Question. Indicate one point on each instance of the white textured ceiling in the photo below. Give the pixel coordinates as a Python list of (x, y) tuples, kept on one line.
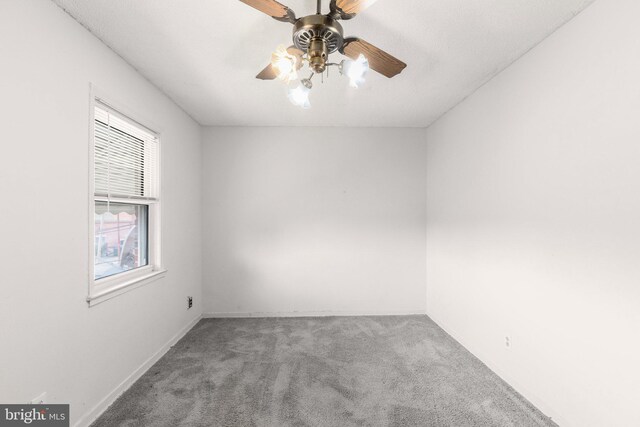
[(205, 54)]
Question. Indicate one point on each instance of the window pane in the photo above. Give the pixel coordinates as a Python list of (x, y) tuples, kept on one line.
[(120, 238)]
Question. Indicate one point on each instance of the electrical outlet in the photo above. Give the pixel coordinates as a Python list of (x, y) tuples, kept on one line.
[(507, 341), (42, 399), (189, 302)]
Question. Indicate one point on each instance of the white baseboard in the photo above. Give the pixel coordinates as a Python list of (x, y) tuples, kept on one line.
[(349, 313), (536, 400), (97, 410)]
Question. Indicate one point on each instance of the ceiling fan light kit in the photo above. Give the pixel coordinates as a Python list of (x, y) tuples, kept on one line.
[(315, 37)]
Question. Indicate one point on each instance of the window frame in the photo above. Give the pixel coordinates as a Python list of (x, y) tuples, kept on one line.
[(109, 287)]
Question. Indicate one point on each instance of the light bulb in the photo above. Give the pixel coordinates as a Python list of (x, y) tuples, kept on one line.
[(355, 70), (284, 64), (299, 96)]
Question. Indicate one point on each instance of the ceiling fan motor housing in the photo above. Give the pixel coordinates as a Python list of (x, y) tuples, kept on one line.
[(318, 55), (319, 36)]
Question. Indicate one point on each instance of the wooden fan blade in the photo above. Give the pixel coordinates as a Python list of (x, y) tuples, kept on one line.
[(273, 9), (379, 60), (268, 73), (351, 7)]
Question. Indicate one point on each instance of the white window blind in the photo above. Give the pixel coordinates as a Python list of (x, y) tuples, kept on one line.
[(126, 158)]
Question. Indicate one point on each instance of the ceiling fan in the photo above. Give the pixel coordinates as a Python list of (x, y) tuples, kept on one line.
[(317, 36)]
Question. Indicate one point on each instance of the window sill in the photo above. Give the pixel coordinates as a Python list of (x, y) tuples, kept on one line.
[(125, 287)]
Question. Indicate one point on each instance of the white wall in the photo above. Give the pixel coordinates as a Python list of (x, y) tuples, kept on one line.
[(51, 341), (314, 221), (533, 220)]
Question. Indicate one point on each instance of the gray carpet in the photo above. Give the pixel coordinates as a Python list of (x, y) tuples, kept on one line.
[(335, 371)]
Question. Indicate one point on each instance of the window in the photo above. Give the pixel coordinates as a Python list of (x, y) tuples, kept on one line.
[(125, 207)]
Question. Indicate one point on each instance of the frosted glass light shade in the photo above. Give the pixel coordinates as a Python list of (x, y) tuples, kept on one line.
[(356, 70), (284, 64), (299, 96)]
